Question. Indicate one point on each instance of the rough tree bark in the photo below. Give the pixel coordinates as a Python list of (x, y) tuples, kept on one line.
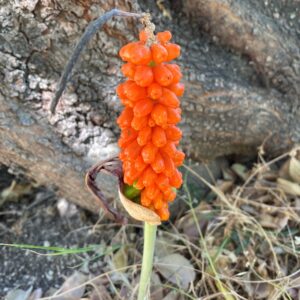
[(241, 64)]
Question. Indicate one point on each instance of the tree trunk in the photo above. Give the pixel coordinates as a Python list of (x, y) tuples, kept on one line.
[(241, 66)]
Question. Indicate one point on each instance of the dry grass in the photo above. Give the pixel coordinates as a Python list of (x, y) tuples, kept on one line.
[(247, 240), (243, 244)]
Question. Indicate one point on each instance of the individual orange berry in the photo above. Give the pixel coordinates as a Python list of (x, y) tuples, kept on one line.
[(127, 164), (158, 201), (173, 133), (125, 118), (162, 75), (152, 191), (120, 91), (154, 90), (173, 51), (143, 36), (159, 138), (169, 149), (138, 123), (132, 150), (127, 102), (133, 92), (167, 191), (149, 177), (140, 54), (149, 152), (127, 136), (175, 70), (178, 158), (159, 53), (145, 201), (138, 184), (131, 175), (162, 182), (169, 165), (164, 36), (169, 99), (127, 179), (122, 156), (139, 164), (173, 115), (170, 195), (143, 108), (159, 114), (158, 165), (128, 70), (177, 88), (144, 136), (163, 213), (176, 179), (143, 76), (125, 51)]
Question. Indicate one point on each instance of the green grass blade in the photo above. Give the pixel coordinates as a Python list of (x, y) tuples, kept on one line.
[(55, 250)]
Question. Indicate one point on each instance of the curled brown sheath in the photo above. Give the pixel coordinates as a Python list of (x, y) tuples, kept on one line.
[(111, 166)]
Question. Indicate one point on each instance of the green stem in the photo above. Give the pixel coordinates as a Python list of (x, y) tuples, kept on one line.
[(148, 253)]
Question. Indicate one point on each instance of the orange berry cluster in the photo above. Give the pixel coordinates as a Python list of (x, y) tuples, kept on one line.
[(148, 122)]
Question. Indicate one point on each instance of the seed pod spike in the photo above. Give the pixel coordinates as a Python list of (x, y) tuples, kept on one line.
[(152, 117)]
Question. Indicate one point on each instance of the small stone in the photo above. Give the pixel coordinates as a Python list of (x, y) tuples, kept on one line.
[(46, 244), (66, 209), (269, 59), (49, 275)]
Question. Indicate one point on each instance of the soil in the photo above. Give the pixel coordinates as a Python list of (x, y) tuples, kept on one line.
[(37, 216), (35, 219)]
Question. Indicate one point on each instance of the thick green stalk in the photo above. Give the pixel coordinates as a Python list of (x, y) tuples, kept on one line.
[(147, 263)]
